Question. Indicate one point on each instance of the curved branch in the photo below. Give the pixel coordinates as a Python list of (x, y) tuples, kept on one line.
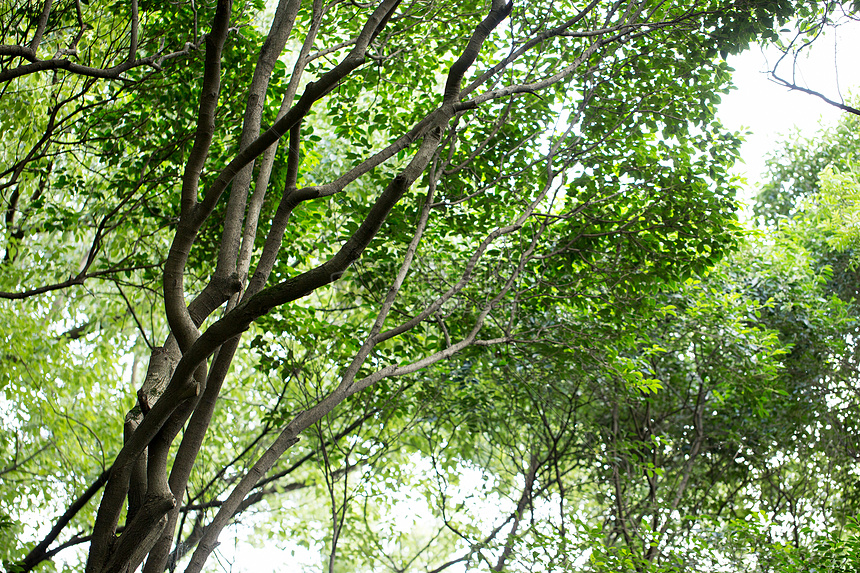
[(113, 73), (794, 87)]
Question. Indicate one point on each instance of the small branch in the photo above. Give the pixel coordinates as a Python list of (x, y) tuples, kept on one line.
[(17, 464), (794, 87), (40, 28), (135, 26), (72, 281), (57, 63), (134, 316), (455, 75)]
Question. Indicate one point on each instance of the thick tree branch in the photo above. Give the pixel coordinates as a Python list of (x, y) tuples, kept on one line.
[(181, 324), (351, 251)]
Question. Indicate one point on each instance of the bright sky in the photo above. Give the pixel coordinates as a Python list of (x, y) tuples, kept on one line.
[(770, 111)]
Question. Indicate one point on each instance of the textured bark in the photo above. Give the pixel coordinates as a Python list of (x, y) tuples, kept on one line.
[(104, 544)]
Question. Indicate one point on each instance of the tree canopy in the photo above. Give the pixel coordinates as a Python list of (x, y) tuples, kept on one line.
[(413, 285)]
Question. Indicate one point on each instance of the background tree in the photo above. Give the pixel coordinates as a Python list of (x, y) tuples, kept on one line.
[(793, 172)]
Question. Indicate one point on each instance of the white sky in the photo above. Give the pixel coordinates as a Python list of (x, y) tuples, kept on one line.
[(770, 111)]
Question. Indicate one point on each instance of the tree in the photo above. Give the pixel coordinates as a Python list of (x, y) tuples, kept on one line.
[(793, 172), (453, 171), (813, 183)]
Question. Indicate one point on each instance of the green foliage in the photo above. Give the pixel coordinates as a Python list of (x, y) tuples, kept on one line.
[(828, 552), (589, 364), (835, 207), (723, 355), (794, 170), (61, 400)]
